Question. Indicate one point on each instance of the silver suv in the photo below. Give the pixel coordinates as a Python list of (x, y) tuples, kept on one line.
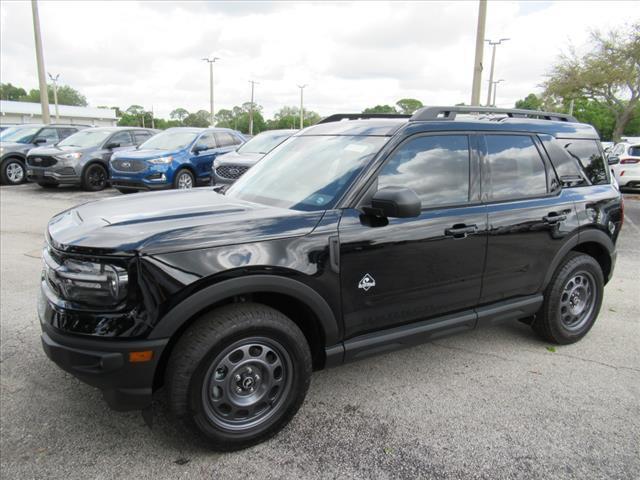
[(16, 141)]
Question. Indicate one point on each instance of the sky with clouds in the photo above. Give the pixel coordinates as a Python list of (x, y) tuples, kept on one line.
[(352, 55)]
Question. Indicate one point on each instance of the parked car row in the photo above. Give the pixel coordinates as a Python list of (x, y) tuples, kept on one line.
[(624, 159)]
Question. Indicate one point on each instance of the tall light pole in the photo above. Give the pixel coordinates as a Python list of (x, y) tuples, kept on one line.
[(495, 87), (55, 93), (493, 63), (477, 66), (253, 83), (211, 61), (302, 87), (44, 92)]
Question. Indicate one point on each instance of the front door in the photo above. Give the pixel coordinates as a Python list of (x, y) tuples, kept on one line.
[(399, 271)]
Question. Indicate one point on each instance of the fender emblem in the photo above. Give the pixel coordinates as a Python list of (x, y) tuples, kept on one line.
[(367, 282)]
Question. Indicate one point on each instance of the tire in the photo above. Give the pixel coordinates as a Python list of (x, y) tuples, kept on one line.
[(572, 300), (13, 172), (126, 191), (225, 354), (94, 178), (184, 180), (48, 185)]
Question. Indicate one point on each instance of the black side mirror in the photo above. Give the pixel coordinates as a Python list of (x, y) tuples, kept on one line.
[(613, 159), (395, 202), (111, 145), (39, 140), (200, 147)]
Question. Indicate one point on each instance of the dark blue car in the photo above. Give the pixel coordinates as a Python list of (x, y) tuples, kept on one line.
[(176, 158)]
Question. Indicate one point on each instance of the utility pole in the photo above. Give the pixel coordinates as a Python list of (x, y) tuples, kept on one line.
[(55, 93), (571, 104), (253, 83), (495, 85), (493, 63), (44, 92), (211, 61), (153, 122), (302, 87), (477, 67)]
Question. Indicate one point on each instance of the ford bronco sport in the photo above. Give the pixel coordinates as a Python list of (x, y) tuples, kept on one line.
[(355, 236)]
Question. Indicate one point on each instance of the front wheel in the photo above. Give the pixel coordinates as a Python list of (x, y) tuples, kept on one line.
[(13, 172), (94, 178), (238, 375), (572, 300), (184, 180)]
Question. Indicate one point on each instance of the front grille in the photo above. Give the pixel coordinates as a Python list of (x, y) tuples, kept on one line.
[(232, 172), (123, 165), (41, 161)]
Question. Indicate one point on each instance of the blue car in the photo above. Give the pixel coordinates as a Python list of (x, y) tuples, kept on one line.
[(176, 158)]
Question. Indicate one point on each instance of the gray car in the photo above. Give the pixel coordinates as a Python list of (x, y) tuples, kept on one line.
[(16, 141), (83, 158), (229, 167)]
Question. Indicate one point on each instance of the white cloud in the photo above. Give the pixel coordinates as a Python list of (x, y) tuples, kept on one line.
[(352, 55)]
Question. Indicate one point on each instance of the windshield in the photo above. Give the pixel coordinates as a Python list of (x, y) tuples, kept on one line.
[(174, 140), (308, 172), (264, 142), (85, 138), (18, 134)]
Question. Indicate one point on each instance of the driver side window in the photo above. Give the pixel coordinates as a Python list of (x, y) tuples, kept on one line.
[(208, 140), (435, 167), (50, 134)]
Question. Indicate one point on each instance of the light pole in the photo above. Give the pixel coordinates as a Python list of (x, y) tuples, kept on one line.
[(44, 92), (211, 61), (493, 62), (477, 66), (302, 87), (253, 83), (495, 86), (55, 92)]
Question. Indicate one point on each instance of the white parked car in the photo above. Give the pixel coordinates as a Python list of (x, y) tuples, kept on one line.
[(624, 160)]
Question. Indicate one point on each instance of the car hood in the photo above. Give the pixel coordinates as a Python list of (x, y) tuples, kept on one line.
[(235, 158), (145, 154), (161, 222), (15, 147), (58, 150)]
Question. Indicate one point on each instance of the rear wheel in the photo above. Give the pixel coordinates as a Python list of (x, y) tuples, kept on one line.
[(572, 300), (94, 178), (184, 180), (238, 375), (13, 172)]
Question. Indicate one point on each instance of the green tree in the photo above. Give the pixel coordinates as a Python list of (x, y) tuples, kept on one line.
[(198, 119), (609, 74), (408, 106), (179, 114), (11, 92), (530, 102), (289, 117), (380, 109), (66, 96)]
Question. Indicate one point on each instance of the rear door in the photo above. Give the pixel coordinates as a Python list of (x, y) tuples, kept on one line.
[(402, 270), (529, 215)]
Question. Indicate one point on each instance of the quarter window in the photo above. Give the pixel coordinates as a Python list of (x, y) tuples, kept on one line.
[(590, 158), (514, 168), (435, 167)]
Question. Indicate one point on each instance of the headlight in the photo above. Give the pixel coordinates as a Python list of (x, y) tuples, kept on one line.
[(88, 283), (161, 160), (69, 156), (1, 150)]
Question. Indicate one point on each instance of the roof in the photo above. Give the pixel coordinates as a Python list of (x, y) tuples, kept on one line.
[(375, 127), (29, 108)]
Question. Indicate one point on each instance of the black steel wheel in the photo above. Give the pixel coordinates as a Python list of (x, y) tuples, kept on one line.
[(572, 300), (238, 375), (95, 178)]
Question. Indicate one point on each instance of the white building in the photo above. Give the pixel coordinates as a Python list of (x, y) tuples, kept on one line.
[(25, 112)]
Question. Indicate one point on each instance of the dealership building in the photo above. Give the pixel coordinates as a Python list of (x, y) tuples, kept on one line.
[(25, 112)]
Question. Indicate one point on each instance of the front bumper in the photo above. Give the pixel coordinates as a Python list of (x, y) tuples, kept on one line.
[(104, 363), (64, 175), (138, 185)]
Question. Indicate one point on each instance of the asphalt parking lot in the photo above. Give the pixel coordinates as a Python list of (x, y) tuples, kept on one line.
[(494, 403)]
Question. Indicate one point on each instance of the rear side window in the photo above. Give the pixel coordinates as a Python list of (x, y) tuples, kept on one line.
[(49, 134), (208, 140), (514, 168), (435, 167), (123, 139), (224, 139), (587, 153)]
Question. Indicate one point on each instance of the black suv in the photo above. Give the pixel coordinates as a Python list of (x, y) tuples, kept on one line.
[(356, 236)]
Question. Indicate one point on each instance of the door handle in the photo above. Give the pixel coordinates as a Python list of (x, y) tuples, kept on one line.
[(460, 230), (554, 217)]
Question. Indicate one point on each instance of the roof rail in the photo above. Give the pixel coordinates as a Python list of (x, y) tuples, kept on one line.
[(360, 116), (449, 113)]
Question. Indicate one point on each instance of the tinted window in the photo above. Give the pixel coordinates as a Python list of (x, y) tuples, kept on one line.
[(225, 139), (141, 136), (49, 133), (122, 138), (435, 167), (634, 151), (514, 168), (590, 158), (208, 140)]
